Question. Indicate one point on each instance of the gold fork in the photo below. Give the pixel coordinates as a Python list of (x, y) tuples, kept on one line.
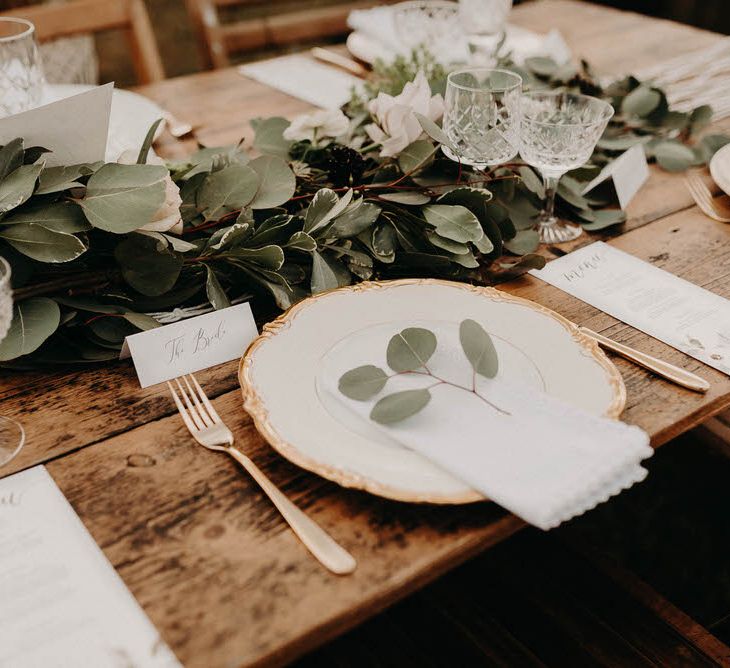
[(207, 428), (716, 208)]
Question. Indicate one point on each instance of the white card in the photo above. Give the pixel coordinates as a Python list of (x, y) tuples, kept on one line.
[(675, 311), (627, 174), (75, 129), (299, 76), (190, 345), (62, 603)]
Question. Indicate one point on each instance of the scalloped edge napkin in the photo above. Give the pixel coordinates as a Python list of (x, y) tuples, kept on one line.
[(546, 463)]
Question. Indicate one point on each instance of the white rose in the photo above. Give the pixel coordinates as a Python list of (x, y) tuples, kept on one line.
[(318, 124), (167, 218), (396, 124)]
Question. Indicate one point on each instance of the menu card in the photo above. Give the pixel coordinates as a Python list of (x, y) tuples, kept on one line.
[(61, 601), (675, 311)]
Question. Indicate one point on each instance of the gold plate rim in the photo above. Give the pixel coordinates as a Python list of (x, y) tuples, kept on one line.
[(253, 404)]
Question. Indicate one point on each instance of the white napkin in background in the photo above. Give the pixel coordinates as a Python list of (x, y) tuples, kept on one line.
[(377, 25), (300, 76), (547, 462)]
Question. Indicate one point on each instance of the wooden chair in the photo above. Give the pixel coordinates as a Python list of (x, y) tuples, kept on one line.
[(219, 40), (91, 16)]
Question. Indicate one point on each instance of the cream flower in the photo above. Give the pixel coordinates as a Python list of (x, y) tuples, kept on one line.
[(167, 218), (396, 124), (318, 124)]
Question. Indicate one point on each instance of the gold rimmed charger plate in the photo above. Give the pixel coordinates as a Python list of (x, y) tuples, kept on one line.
[(278, 376)]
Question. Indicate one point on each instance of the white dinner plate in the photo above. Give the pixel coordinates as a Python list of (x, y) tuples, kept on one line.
[(720, 168), (280, 370), (131, 116)]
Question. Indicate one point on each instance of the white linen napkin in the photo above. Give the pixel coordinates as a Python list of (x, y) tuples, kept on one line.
[(546, 462), (299, 76), (378, 26)]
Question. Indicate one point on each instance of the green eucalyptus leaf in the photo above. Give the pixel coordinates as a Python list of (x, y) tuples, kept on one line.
[(526, 263), (34, 320), (453, 222), (18, 186), (674, 156), (434, 131), (216, 295), (621, 143), (65, 217), (43, 244), (709, 145), (141, 321), (411, 349), (269, 137), (542, 66), (416, 155), (525, 241), (147, 143), (227, 190), (57, 179), (148, 265), (277, 182), (123, 198), (11, 157), (363, 382), (479, 348), (641, 101), (604, 218), (399, 406), (410, 198), (700, 117), (532, 181)]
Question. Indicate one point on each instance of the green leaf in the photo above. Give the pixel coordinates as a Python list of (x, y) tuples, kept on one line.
[(18, 186), (453, 222), (147, 143), (42, 244), (269, 138), (709, 145), (327, 273), (541, 66), (362, 383), (148, 265), (122, 198), (277, 182), (532, 181), (604, 218), (525, 241), (354, 220), (267, 257), (447, 244), (641, 101), (406, 197), (11, 157), (479, 348), (621, 143), (674, 156), (522, 266), (34, 320), (57, 179), (141, 320), (302, 241), (411, 349), (399, 406), (416, 155), (325, 206), (700, 117), (227, 190), (434, 131), (223, 239), (216, 295), (65, 217)]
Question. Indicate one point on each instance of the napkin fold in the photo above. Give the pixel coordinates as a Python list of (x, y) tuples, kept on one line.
[(546, 461)]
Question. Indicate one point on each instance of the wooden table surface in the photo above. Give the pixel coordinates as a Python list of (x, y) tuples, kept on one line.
[(211, 562)]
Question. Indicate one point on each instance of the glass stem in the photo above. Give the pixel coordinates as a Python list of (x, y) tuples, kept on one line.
[(551, 187)]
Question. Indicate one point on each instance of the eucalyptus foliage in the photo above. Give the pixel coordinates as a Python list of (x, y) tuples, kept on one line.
[(280, 220)]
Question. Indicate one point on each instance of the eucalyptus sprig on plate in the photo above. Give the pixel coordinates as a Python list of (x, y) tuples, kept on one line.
[(409, 352)]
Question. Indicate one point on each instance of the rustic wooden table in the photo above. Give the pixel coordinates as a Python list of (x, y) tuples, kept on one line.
[(211, 562)]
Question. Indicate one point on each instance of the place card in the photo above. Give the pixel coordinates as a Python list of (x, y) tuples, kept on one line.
[(74, 129), (623, 176), (62, 602), (190, 345), (675, 311), (301, 77)]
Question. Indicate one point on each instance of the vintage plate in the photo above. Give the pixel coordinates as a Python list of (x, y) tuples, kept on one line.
[(131, 116), (720, 168), (279, 372)]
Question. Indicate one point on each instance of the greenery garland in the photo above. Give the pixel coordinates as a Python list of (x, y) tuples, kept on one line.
[(304, 216)]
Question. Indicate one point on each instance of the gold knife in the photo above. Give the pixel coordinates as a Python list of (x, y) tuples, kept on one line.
[(660, 367)]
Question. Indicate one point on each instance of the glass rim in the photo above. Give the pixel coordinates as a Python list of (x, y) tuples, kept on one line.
[(604, 118), (5, 271), (496, 89), (412, 4), (29, 28)]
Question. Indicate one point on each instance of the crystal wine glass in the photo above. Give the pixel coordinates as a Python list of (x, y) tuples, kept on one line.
[(558, 133), (12, 435), (482, 116), (21, 73), (431, 23), (483, 22)]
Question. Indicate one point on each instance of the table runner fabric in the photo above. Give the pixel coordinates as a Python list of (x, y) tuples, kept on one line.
[(546, 462)]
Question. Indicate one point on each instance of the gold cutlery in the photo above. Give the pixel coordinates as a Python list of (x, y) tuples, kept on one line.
[(344, 63), (716, 208), (207, 428), (660, 367), (176, 127)]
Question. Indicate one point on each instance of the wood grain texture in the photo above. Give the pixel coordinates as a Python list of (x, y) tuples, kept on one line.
[(200, 547)]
